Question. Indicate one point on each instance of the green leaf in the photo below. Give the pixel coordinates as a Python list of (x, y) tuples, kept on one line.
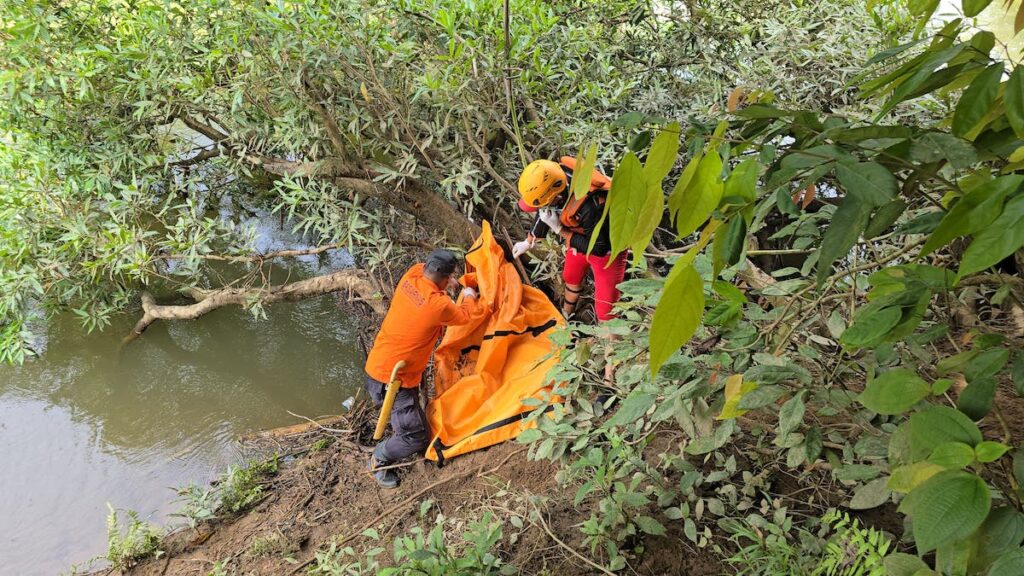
[(584, 173), (1013, 99), (977, 100), (675, 199), (869, 329), (650, 525), (848, 222), (625, 202), (760, 397), (900, 564), (729, 243), (956, 363), (906, 478), (663, 154), (648, 220), (1001, 239), (952, 455), (974, 212), (771, 374), (937, 425), (974, 7), (989, 451), (1001, 533), (924, 70), (678, 314), (701, 196), (633, 408), (934, 146), (976, 399), (1017, 373), (894, 392), (884, 218), (1012, 564), (716, 440), (871, 182), (856, 472), (791, 415), (529, 435), (986, 363), (949, 506), (871, 495)]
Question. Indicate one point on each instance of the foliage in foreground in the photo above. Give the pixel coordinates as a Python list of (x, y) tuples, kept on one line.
[(422, 552), (858, 350)]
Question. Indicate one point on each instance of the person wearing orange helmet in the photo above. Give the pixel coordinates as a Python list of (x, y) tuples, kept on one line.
[(543, 189)]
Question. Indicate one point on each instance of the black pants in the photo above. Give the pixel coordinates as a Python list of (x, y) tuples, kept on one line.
[(408, 422)]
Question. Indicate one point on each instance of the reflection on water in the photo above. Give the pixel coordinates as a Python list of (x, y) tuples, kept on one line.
[(83, 425)]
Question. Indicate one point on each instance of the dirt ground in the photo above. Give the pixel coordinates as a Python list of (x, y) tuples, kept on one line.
[(328, 496)]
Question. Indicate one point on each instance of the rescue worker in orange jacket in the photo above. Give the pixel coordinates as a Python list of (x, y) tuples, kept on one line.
[(543, 188), (412, 327)]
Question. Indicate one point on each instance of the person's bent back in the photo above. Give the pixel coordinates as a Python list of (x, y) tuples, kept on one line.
[(419, 310)]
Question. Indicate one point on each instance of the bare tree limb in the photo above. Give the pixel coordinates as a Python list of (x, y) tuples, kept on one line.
[(210, 300)]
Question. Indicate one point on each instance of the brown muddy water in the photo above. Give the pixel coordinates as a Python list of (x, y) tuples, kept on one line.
[(83, 425)]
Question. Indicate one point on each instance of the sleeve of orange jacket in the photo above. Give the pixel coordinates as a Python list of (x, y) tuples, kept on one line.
[(456, 314)]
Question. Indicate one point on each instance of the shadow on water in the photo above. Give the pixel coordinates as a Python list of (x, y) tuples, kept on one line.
[(83, 425)]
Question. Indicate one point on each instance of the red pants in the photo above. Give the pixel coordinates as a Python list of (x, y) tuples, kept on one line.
[(606, 280)]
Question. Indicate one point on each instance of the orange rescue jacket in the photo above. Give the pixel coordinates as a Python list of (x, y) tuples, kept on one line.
[(413, 326)]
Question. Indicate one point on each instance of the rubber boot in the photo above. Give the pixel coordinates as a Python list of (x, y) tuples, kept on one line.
[(385, 478)]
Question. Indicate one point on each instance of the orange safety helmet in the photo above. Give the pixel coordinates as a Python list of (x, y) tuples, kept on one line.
[(540, 183)]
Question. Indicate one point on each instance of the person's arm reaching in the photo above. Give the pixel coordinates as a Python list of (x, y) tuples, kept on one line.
[(457, 314)]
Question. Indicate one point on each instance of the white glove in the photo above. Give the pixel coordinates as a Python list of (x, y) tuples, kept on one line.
[(522, 247), (469, 293), (550, 217)]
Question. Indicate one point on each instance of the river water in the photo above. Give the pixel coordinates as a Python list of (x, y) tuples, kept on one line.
[(84, 425)]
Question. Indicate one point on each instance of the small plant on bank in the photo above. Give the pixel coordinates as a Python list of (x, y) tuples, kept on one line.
[(200, 505), (140, 540), (852, 550), (240, 488)]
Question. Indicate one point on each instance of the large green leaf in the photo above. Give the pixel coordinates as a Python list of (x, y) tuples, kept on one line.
[(900, 564), (974, 7), (870, 327), (975, 211), (894, 392), (584, 173), (976, 399), (632, 409), (977, 100), (871, 182), (952, 455), (791, 415), (701, 196), (663, 154), (949, 506), (1013, 99), (848, 222), (648, 220), (884, 218), (1010, 564), (986, 363), (1001, 239), (675, 199), (678, 314), (933, 146), (937, 425), (626, 202)]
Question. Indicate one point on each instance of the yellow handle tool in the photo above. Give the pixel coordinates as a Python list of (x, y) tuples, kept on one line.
[(389, 400)]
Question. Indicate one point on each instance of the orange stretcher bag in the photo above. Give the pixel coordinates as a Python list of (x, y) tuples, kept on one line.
[(484, 370)]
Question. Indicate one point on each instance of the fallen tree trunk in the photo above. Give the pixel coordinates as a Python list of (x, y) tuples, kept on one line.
[(353, 281)]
